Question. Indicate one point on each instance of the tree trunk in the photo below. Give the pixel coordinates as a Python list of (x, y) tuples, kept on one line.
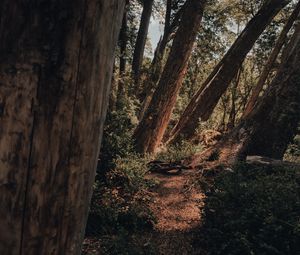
[(55, 71), (273, 123), (150, 131), (205, 100), (233, 110), (156, 64), (141, 41), (123, 40), (271, 60)]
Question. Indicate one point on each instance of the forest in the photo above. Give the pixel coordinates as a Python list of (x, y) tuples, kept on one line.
[(149, 127)]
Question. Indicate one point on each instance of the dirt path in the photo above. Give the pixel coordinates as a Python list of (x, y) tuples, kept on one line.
[(176, 202), (177, 206)]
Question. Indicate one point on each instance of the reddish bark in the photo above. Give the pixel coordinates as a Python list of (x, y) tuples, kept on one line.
[(205, 100), (151, 129), (273, 123)]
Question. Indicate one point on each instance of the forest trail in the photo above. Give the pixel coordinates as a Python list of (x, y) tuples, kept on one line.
[(176, 204)]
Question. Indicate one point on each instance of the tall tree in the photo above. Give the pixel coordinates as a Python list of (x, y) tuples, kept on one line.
[(151, 129), (141, 40), (273, 122), (206, 98), (271, 60), (123, 40), (156, 64), (55, 71)]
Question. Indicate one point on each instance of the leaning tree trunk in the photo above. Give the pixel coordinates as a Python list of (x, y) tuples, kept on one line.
[(205, 100), (273, 122), (141, 40), (55, 71), (151, 129), (271, 60)]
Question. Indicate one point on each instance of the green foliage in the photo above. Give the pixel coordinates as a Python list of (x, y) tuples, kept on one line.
[(254, 210), (178, 152), (119, 207), (117, 137), (124, 244), (120, 200), (293, 151)]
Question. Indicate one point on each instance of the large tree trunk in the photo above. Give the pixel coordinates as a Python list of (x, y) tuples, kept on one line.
[(156, 64), (141, 40), (55, 71), (271, 60), (205, 100), (151, 129), (272, 124)]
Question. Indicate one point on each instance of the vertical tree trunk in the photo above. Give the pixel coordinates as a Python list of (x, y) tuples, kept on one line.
[(141, 40), (205, 100), (233, 110), (150, 131), (123, 40), (55, 71), (271, 60)]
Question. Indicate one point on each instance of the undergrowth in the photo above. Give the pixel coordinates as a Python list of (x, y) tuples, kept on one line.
[(119, 208), (293, 152), (253, 210), (178, 152)]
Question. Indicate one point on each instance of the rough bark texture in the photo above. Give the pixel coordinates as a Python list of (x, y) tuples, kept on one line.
[(205, 100), (273, 123), (150, 131), (141, 40), (271, 60), (156, 67), (55, 71)]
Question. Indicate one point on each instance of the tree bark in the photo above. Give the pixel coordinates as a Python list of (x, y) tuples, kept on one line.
[(205, 100), (150, 131), (55, 71), (233, 110), (271, 60), (139, 48), (273, 123), (123, 40), (156, 64)]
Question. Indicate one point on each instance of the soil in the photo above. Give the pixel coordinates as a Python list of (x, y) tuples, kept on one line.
[(177, 203)]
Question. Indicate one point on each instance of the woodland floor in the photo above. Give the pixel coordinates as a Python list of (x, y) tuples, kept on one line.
[(177, 203)]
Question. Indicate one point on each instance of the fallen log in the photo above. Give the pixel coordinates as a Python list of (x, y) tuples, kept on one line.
[(168, 168)]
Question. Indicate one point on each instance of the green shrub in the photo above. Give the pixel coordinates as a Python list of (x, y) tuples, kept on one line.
[(293, 151), (119, 207), (254, 210), (178, 152), (121, 200), (117, 136)]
